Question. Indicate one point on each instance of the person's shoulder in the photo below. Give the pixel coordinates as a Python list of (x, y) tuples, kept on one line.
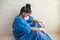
[(17, 17)]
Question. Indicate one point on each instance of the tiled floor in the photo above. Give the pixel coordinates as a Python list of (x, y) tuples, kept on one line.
[(9, 37)]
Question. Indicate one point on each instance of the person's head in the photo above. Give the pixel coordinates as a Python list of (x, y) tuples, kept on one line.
[(25, 10)]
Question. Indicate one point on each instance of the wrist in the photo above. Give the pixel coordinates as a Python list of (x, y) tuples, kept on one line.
[(41, 29)]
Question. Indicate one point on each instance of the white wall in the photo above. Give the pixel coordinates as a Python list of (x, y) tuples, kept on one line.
[(45, 10)]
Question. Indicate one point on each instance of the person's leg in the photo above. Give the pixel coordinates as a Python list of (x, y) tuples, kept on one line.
[(39, 35), (42, 36)]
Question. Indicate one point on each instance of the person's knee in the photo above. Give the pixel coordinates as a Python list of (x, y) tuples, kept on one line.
[(38, 32)]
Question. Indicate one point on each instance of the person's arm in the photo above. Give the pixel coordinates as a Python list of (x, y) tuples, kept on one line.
[(35, 20), (36, 29), (42, 24)]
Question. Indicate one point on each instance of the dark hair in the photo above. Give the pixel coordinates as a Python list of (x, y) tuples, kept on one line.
[(26, 9)]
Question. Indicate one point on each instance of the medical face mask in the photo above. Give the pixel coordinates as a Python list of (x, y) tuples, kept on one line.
[(26, 18)]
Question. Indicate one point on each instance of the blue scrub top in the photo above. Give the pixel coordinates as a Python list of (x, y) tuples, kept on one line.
[(20, 28)]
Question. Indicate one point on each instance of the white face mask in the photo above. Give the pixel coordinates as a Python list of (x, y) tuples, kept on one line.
[(26, 18)]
